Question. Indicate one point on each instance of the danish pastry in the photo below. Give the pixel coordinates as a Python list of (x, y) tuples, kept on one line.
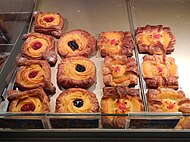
[(115, 43), (75, 72), (76, 43), (33, 74), (34, 100), (77, 100), (160, 71), (120, 70), (39, 46), (155, 39), (119, 100), (49, 23)]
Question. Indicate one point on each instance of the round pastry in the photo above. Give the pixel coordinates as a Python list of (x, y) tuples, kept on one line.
[(49, 23), (39, 46), (155, 39), (34, 100), (75, 72), (76, 43), (33, 74), (77, 100)]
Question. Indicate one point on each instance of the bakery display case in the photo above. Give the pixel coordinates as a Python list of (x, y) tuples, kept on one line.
[(131, 76)]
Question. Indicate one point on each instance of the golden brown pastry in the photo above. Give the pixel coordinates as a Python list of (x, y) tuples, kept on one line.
[(34, 100), (49, 23), (119, 100), (120, 71), (76, 43), (39, 46), (116, 43), (75, 72), (155, 39), (77, 100), (160, 71), (33, 74)]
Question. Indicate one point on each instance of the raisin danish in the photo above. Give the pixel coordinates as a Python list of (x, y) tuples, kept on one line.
[(76, 43), (49, 23), (155, 39)]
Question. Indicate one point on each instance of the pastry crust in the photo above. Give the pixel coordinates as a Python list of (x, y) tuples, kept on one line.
[(77, 100), (120, 71), (116, 43), (119, 100), (76, 72), (33, 74), (159, 71), (76, 43), (39, 46), (49, 23), (34, 100), (155, 39)]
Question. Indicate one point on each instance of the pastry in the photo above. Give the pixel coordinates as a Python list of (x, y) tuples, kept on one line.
[(159, 71), (39, 46), (77, 100), (115, 43), (120, 70), (75, 72), (33, 74), (49, 23), (76, 43), (155, 39), (34, 100), (119, 100)]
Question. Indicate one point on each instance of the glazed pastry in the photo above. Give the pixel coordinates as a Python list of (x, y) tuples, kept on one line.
[(155, 39), (119, 100), (34, 100), (75, 72), (49, 23), (39, 46), (120, 70), (77, 100), (33, 74), (76, 43), (160, 71), (116, 43)]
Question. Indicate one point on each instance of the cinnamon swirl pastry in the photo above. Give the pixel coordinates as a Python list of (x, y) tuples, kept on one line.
[(160, 71), (39, 46), (76, 43), (75, 72), (33, 74), (155, 39), (49, 23), (115, 43), (120, 71), (77, 100), (119, 100)]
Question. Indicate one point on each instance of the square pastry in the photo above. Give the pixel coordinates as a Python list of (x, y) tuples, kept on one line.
[(116, 43), (34, 100), (120, 71), (119, 100), (32, 74), (155, 39), (159, 71)]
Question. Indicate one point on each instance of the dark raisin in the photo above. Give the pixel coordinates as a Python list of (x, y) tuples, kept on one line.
[(78, 103), (80, 68), (73, 45), (28, 107)]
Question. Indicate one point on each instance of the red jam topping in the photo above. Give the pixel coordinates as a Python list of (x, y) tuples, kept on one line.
[(33, 74), (170, 106), (117, 69), (37, 45), (113, 42), (159, 69), (156, 36), (48, 19), (122, 106), (28, 107)]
